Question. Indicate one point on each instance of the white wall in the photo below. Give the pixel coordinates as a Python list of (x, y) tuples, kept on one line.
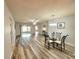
[(8, 43), (69, 28), (17, 29)]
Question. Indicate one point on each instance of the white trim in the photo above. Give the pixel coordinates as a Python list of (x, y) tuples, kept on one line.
[(11, 55), (72, 45)]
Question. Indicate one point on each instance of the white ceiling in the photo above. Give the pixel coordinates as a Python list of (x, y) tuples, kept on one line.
[(24, 10)]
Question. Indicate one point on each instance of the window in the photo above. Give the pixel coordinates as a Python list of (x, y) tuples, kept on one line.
[(25, 31), (25, 28)]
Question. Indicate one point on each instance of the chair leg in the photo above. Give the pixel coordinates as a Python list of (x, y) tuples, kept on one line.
[(53, 45), (45, 42), (61, 48), (48, 45), (64, 46), (56, 44)]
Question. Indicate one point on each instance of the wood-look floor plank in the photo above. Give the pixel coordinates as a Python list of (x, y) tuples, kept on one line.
[(34, 49)]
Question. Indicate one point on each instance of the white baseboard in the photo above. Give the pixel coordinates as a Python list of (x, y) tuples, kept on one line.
[(70, 48), (69, 44)]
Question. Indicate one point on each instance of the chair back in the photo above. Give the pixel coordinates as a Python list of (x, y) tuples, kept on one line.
[(63, 39), (58, 35), (53, 35), (46, 35)]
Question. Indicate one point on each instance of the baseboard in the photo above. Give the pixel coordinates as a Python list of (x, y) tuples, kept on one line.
[(70, 45), (70, 48), (11, 55)]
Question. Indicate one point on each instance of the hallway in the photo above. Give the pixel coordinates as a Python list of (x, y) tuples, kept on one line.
[(35, 21), (34, 48)]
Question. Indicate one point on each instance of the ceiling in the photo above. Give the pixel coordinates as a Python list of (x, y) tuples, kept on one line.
[(25, 10)]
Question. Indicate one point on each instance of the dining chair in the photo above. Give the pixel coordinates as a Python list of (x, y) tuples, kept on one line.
[(61, 43), (50, 41), (46, 36)]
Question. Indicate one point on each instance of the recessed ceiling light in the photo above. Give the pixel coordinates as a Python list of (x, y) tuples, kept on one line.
[(34, 23), (37, 21), (32, 20)]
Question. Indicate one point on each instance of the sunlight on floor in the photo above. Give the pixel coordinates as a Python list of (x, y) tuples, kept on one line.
[(26, 34)]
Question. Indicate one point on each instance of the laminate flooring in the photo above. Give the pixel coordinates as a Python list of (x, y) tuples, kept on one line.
[(34, 48)]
